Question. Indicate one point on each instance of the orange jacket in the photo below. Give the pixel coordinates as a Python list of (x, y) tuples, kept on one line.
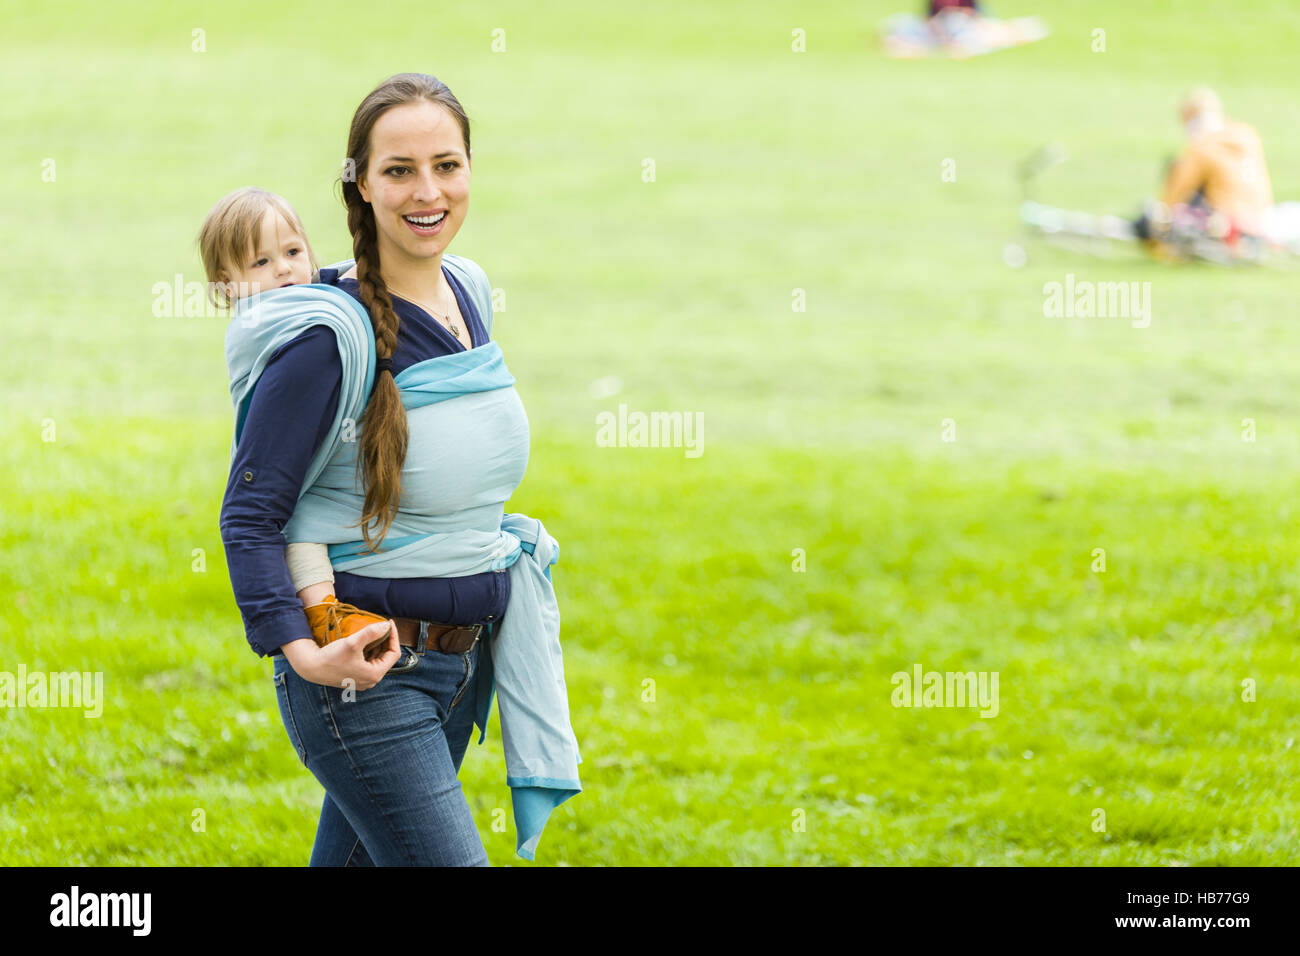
[(1227, 165)]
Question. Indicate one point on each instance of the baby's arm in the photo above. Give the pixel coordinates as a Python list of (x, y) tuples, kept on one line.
[(313, 579), (311, 571)]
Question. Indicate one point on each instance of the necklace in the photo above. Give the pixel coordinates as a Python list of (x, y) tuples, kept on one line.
[(446, 319)]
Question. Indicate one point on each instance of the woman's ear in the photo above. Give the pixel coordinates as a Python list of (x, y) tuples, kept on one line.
[(361, 188)]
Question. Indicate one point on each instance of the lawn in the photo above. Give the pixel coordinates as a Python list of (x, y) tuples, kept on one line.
[(905, 461)]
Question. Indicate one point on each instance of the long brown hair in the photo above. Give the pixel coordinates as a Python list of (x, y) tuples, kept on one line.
[(383, 424)]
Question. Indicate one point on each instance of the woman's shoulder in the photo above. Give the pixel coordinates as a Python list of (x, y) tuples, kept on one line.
[(315, 347), (468, 270), (332, 274), (465, 269)]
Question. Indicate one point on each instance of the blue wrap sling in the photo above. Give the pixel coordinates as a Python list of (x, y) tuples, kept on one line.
[(467, 452)]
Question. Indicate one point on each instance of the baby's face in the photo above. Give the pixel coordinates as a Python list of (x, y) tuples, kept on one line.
[(279, 258)]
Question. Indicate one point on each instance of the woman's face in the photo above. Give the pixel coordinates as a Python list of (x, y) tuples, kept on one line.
[(418, 172)]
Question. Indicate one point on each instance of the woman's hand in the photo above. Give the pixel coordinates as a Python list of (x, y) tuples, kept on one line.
[(345, 658)]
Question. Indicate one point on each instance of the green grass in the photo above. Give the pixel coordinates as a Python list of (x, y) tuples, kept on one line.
[(775, 171)]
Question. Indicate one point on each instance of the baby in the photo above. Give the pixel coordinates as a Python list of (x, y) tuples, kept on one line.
[(251, 241)]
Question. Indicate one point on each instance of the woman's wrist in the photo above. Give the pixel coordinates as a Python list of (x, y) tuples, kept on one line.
[(298, 652), (343, 663)]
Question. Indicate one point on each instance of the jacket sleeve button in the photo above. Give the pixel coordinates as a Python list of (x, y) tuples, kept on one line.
[(248, 476)]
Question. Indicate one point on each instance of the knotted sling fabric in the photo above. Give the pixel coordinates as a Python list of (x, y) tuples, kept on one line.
[(467, 452)]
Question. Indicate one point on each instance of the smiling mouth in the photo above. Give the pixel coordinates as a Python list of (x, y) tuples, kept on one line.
[(427, 225)]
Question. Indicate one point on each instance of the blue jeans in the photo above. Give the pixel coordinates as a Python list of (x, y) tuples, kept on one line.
[(388, 761)]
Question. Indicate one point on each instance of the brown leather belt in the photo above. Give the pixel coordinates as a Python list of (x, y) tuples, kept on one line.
[(447, 638)]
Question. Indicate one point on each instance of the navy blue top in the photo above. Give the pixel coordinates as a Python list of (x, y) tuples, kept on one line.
[(290, 414)]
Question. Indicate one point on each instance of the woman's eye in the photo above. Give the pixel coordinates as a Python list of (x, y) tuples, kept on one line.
[(392, 170), (452, 163)]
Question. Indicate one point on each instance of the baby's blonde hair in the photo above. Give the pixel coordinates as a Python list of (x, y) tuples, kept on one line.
[(231, 230)]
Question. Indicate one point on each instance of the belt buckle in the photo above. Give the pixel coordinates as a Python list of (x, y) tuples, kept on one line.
[(460, 640)]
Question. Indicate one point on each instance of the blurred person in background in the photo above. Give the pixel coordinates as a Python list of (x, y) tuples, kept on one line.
[(1216, 202), (956, 28), (1218, 184), (936, 6)]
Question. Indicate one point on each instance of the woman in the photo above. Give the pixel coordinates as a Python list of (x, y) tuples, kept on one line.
[(386, 737)]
